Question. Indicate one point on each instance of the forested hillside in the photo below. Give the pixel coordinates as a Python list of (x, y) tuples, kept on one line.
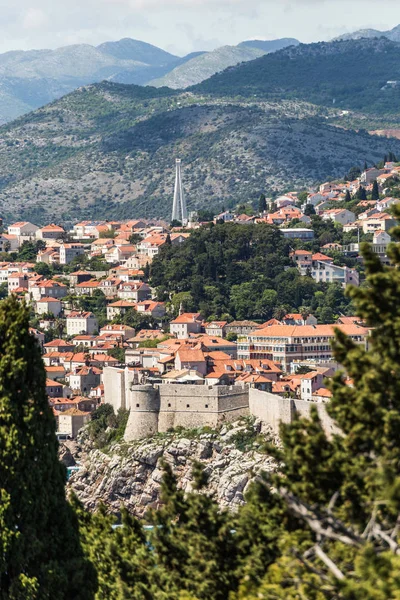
[(243, 272), (109, 150), (351, 74)]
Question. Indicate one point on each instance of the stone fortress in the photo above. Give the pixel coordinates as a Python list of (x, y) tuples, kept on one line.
[(157, 408)]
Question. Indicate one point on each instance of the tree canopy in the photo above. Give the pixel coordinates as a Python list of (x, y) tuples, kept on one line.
[(243, 271), (40, 550)]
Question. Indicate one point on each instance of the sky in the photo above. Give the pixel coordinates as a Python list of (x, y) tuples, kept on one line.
[(183, 26)]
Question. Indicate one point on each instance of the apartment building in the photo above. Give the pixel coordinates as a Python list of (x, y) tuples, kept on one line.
[(50, 232), (23, 230), (186, 324), (322, 269), (284, 344), (81, 322), (70, 251)]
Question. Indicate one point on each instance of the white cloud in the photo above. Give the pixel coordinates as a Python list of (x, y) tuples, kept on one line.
[(34, 18)]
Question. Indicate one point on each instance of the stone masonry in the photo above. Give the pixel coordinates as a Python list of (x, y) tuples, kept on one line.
[(159, 408)]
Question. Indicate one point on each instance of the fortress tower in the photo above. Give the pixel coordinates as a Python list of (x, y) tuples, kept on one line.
[(144, 405), (179, 210)]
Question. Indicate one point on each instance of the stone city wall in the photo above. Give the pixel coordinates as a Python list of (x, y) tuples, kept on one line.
[(197, 406), (273, 410), (159, 408), (156, 409)]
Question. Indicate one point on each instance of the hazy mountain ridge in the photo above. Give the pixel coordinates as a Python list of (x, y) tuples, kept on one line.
[(204, 66), (270, 45), (30, 79), (108, 150), (391, 34)]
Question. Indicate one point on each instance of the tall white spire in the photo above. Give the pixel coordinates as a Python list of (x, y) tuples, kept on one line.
[(179, 210)]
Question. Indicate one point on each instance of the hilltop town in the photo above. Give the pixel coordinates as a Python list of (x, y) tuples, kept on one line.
[(106, 325)]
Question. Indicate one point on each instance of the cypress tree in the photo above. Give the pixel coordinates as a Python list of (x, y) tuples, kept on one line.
[(361, 193), (262, 203), (347, 196), (40, 552), (375, 191)]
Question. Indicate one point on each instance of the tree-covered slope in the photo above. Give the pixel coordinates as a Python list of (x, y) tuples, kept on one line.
[(231, 271), (109, 150), (349, 74)]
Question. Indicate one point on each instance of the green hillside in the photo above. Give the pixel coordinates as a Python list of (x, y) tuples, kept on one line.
[(349, 74), (108, 150)]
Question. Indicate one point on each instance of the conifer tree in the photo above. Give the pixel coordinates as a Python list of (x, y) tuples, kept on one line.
[(344, 490), (123, 558), (40, 552), (347, 196), (262, 204), (375, 191), (193, 543), (361, 193)]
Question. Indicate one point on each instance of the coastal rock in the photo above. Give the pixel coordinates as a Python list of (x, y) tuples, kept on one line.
[(131, 474), (65, 456)]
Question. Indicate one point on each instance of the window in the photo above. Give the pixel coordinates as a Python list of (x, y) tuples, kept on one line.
[(169, 405), (206, 405), (187, 405), (137, 405)]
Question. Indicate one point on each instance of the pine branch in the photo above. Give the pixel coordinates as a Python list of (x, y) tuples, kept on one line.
[(325, 526), (334, 569)]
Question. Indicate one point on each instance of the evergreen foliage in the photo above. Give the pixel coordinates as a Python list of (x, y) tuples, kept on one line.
[(40, 552), (375, 191), (361, 193), (262, 204), (344, 489), (241, 271)]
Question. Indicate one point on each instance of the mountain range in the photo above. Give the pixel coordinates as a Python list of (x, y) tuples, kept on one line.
[(352, 74), (206, 64), (287, 119), (30, 79)]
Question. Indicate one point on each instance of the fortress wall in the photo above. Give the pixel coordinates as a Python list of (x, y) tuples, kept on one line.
[(303, 409), (194, 406), (273, 410), (187, 406), (114, 387), (157, 409)]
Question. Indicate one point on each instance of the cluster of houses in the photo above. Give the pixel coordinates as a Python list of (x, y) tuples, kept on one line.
[(291, 357), (266, 357)]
